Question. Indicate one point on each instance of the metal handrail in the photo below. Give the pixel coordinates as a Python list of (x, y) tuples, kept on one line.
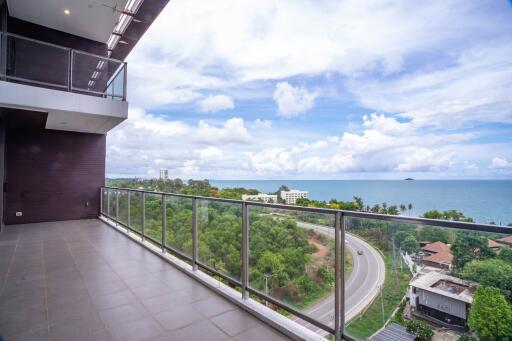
[(339, 228), (69, 87), (355, 214)]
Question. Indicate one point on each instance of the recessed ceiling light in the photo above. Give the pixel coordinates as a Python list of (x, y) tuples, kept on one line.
[(67, 11)]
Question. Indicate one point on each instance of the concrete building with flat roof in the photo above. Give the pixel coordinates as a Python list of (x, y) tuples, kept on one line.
[(442, 299), (291, 196), (263, 197)]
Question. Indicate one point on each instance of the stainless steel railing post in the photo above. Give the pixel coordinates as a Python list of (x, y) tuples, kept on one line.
[(143, 217), (339, 276), (117, 206), (108, 203), (101, 200), (128, 218), (245, 251), (194, 233), (164, 221)]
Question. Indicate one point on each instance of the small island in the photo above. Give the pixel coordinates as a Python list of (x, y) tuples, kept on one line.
[(409, 179)]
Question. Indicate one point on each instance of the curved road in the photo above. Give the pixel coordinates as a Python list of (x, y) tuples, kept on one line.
[(361, 287)]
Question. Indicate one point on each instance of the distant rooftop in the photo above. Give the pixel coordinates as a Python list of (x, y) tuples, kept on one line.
[(436, 247), (393, 332), (445, 285)]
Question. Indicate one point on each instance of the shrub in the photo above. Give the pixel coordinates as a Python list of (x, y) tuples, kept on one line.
[(419, 328)]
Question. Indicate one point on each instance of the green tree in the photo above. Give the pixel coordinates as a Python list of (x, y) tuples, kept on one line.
[(465, 337), (506, 255), (447, 215), (490, 315), (410, 244), (490, 272), (403, 208), (359, 202), (468, 247), (409, 207), (272, 264), (421, 329)]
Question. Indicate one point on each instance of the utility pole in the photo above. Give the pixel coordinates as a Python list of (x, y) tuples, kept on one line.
[(266, 286), (382, 306)]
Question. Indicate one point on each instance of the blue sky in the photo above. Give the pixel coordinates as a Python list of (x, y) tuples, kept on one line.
[(320, 90)]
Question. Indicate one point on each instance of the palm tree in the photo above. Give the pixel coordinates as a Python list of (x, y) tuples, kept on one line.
[(384, 208), (410, 208), (359, 202), (403, 208)]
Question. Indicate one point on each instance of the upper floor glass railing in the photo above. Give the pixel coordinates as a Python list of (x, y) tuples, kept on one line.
[(37, 63), (341, 273)]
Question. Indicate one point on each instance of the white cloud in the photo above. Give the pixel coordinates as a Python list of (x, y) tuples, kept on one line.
[(262, 124), (385, 145), (210, 153), (499, 163), (470, 166), (292, 101), (146, 142), (214, 103)]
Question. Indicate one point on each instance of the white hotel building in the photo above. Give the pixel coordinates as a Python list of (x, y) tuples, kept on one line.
[(266, 198), (291, 196)]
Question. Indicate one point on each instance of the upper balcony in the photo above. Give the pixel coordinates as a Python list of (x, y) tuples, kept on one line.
[(80, 91)]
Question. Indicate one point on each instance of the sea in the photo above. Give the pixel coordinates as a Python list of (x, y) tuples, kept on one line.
[(483, 200)]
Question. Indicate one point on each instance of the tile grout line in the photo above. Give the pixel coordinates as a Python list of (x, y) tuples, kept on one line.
[(83, 279)]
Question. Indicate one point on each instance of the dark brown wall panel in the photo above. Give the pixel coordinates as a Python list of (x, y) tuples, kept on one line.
[(51, 175)]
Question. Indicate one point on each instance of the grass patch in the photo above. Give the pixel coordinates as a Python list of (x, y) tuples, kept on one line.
[(395, 285)]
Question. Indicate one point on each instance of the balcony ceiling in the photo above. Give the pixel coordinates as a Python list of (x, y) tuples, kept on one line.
[(92, 19)]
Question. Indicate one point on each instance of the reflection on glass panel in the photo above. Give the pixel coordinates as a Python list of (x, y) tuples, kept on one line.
[(35, 61), (292, 260), (178, 233), (112, 203), (220, 236), (123, 207), (93, 73), (428, 273), (136, 211), (153, 227), (104, 194)]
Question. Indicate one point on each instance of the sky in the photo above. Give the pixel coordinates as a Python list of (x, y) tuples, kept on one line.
[(320, 89)]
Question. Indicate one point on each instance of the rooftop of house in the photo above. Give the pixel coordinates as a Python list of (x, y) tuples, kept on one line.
[(446, 285), (507, 239), (436, 247), (493, 244), (440, 258)]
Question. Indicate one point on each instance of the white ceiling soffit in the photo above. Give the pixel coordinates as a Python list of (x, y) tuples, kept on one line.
[(92, 19)]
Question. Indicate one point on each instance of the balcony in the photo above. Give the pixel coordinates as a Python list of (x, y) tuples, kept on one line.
[(82, 280), (80, 91), (181, 267)]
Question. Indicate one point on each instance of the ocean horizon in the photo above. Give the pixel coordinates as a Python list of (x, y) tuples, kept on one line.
[(483, 200)]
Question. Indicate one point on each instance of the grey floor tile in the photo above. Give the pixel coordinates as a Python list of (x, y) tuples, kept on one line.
[(121, 315), (178, 317), (212, 306), (115, 299), (235, 322), (144, 329), (202, 330), (261, 333)]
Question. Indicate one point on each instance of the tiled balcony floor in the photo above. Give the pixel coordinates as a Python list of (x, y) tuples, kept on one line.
[(82, 280)]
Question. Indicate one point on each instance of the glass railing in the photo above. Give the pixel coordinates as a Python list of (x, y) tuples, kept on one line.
[(38, 63), (341, 273)]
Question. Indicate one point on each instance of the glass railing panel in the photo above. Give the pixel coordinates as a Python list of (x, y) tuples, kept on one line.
[(426, 273), (93, 74), (33, 62), (123, 207), (153, 225), (112, 193), (220, 236), (291, 259), (104, 200), (178, 233), (136, 211)]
